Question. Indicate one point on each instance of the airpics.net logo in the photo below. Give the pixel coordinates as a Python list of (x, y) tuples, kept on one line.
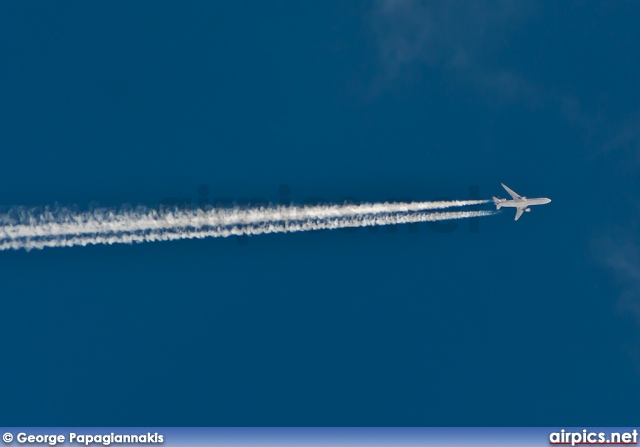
[(586, 437)]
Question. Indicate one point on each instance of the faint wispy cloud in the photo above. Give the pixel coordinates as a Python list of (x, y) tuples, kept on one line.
[(620, 253), (448, 25), (625, 140), (467, 41), (457, 36)]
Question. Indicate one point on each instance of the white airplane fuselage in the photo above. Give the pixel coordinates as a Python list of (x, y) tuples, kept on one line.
[(523, 203)]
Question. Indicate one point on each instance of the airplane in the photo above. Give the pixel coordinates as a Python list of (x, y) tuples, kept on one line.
[(520, 203)]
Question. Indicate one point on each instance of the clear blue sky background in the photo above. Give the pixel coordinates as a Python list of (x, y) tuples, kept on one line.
[(527, 323)]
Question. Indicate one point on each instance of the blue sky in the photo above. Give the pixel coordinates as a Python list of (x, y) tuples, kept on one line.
[(527, 323)]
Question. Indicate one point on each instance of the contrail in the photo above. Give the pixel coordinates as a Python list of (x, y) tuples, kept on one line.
[(25, 223), (238, 229)]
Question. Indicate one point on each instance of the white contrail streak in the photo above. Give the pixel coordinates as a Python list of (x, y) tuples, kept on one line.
[(254, 228), (24, 223)]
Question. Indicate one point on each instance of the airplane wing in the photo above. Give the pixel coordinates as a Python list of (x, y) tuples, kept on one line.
[(519, 212), (511, 192)]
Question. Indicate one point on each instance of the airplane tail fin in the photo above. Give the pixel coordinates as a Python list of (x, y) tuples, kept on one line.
[(498, 202)]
